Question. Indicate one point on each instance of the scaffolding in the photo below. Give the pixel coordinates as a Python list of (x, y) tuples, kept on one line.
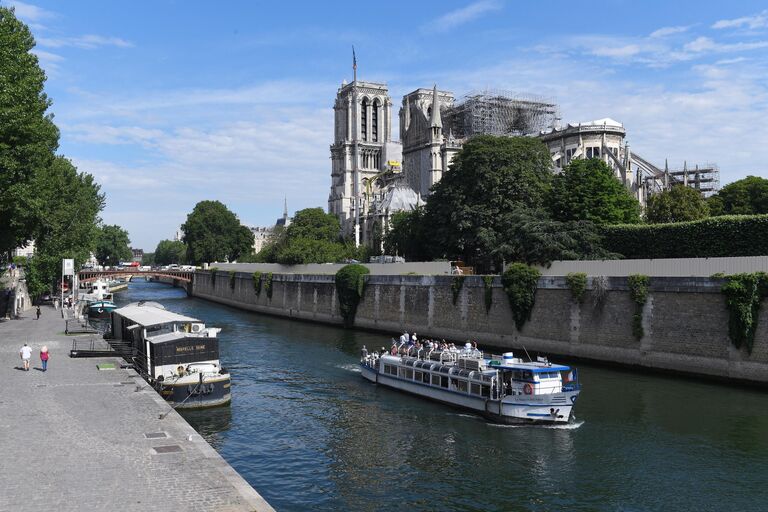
[(502, 113)]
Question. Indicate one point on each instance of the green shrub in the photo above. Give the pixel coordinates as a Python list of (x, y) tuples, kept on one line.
[(638, 291), (213, 271), (456, 286), (350, 286), (488, 285), (257, 283), (520, 282), (743, 294), (268, 285), (232, 280), (577, 283), (735, 235)]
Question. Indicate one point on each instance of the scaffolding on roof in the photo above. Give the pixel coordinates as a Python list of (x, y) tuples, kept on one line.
[(494, 112)]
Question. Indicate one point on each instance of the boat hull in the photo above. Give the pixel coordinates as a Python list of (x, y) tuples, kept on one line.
[(548, 409), (189, 393)]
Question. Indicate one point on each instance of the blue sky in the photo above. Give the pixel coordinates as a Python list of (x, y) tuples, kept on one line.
[(169, 102)]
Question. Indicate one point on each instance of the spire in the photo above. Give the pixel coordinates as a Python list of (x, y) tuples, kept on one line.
[(354, 65), (435, 121), (285, 207)]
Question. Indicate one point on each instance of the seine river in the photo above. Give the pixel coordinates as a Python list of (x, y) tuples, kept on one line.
[(309, 433)]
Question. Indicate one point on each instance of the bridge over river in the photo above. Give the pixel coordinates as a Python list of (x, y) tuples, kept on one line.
[(179, 278)]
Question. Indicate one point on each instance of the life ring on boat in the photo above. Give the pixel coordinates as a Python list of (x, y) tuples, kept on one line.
[(528, 389)]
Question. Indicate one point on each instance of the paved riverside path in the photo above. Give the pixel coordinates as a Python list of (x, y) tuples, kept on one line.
[(73, 438)]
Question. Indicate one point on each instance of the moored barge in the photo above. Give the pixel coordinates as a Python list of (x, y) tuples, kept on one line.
[(177, 354)]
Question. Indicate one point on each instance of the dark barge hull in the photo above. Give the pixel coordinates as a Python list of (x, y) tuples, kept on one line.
[(211, 393)]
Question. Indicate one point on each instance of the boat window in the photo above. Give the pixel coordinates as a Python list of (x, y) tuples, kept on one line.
[(410, 362), (527, 375), (408, 373), (462, 386), (486, 391), (435, 380), (445, 369), (417, 376), (425, 378), (475, 389), (464, 373), (443, 381), (390, 369)]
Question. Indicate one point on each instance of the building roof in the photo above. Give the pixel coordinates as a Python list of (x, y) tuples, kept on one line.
[(151, 313)]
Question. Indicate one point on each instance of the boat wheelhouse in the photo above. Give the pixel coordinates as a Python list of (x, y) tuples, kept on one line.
[(503, 389), (177, 354)]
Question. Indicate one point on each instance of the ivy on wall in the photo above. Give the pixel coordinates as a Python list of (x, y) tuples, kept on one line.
[(743, 294), (268, 285), (488, 285), (257, 283), (232, 280), (350, 286), (456, 286), (213, 270), (638, 291), (520, 282), (577, 283)]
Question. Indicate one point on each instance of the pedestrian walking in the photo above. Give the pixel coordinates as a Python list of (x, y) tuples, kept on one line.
[(38, 312), (44, 356), (25, 352)]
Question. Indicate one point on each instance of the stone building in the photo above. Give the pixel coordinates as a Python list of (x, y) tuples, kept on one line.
[(362, 152)]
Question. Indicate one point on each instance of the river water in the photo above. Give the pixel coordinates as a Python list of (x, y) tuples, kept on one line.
[(309, 433)]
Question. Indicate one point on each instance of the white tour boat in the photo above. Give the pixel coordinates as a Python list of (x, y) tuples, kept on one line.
[(504, 389)]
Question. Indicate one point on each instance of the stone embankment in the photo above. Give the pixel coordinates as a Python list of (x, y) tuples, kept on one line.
[(684, 320), (78, 439)]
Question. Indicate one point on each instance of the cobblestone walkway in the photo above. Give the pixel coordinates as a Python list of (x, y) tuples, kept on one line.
[(78, 439)]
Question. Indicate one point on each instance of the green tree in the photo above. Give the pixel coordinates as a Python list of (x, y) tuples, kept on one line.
[(313, 237), (213, 233), (68, 224), (28, 137), (679, 204), (488, 177), (113, 246), (747, 196), (531, 237), (170, 251), (148, 259), (588, 190), (406, 236)]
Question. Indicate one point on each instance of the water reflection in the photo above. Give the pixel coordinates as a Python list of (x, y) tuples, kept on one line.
[(211, 424)]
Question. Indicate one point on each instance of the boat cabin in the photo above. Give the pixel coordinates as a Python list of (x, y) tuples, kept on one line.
[(162, 341)]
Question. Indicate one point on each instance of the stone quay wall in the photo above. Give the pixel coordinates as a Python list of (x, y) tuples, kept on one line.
[(685, 320)]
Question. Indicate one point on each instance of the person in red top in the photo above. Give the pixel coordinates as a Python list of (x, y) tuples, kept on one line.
[(44, 357)]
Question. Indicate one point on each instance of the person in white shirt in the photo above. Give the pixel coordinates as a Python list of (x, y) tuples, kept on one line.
[(25, 352)]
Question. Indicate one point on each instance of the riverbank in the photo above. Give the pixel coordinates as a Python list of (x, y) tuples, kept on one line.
[(683, 322), (78, 439)]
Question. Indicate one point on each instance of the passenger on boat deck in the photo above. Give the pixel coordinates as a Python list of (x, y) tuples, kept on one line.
[(414, 338), (405, 337)]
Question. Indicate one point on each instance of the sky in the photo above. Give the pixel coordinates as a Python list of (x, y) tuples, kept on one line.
[(170, 102)]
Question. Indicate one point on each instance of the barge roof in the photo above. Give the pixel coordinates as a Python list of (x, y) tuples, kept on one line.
[(150, 314)]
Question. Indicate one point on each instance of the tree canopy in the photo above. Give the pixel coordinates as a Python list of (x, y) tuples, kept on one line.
[(28, 137), (213, 233), (747, 196), (587, 190), (312, 237), (406, 236), (113, 246), (488, 177), (679, 204), (170, 251)]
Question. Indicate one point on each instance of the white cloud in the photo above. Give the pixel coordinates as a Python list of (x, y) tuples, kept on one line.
[(88, 41), (31, 13), (463, 15), (668, 31), (751, 22)]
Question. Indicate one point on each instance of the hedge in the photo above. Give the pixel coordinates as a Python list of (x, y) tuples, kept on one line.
[(732, 235)]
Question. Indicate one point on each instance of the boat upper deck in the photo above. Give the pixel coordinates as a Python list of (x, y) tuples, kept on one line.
[(150, 314)]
